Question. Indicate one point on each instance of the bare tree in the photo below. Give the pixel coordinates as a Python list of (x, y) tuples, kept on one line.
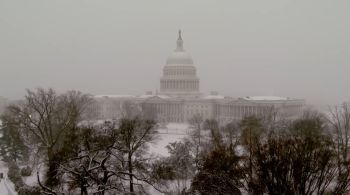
[(215, 132), (292, 164), (45, 116), (131, 141), (340, 122), (130, 110), (251, 131), (196, 123), (231, 133)]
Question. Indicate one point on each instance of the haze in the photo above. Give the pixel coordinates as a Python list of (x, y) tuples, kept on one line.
[(292, 48)]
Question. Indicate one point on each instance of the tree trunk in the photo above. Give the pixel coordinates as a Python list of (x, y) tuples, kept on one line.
[(83, 190), (130, 174), (102, 188), (51, 173)]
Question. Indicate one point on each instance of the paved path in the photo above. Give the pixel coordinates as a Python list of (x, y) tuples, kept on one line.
[(6, 186)]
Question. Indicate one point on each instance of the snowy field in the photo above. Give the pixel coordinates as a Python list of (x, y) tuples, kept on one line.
[(6, 186), (171, 133)]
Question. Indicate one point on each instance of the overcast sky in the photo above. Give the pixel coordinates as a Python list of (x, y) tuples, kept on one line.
[(293, 48)]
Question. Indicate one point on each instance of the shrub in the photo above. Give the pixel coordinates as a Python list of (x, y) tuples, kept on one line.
[(29, 190), (26, 171), (14, 173), (15, 176)]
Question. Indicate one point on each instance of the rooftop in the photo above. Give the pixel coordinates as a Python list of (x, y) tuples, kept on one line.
[(271, 98)]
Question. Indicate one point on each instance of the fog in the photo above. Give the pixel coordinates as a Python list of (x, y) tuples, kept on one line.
[(292, 48)]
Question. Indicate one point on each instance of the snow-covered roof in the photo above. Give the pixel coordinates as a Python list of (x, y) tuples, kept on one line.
[(213, 97), (271, 98), (114, 96), (149, 96)]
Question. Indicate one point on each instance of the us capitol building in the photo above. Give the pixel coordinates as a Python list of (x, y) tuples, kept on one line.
[(179, 98)]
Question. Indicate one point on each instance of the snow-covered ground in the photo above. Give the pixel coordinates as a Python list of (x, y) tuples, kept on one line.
[(6, 186), (32, 180), (173, 132)]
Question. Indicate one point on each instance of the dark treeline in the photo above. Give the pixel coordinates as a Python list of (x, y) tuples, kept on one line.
[(258, 155), (308, 155)]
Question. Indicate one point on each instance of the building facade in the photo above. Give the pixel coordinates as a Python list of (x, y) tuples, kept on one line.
[(180, 99)]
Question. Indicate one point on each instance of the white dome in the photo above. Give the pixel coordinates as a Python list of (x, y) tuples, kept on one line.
[(179, 74), (179, 58)]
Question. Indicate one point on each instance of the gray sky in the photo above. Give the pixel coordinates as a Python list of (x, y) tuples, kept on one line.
[(293, 48)]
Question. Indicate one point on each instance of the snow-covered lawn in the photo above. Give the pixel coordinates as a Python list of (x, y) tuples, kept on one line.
[(6, 186), (173, 132), (33, 179)]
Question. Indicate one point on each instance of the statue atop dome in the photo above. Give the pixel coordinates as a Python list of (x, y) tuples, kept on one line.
[(179, 43), (179, 56)]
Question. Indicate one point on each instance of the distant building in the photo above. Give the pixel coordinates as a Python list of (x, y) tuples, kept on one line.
[(179, 98)]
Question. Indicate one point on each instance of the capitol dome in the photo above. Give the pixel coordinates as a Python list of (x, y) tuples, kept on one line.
[(179, 58), (179, 74), (179, 55)]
